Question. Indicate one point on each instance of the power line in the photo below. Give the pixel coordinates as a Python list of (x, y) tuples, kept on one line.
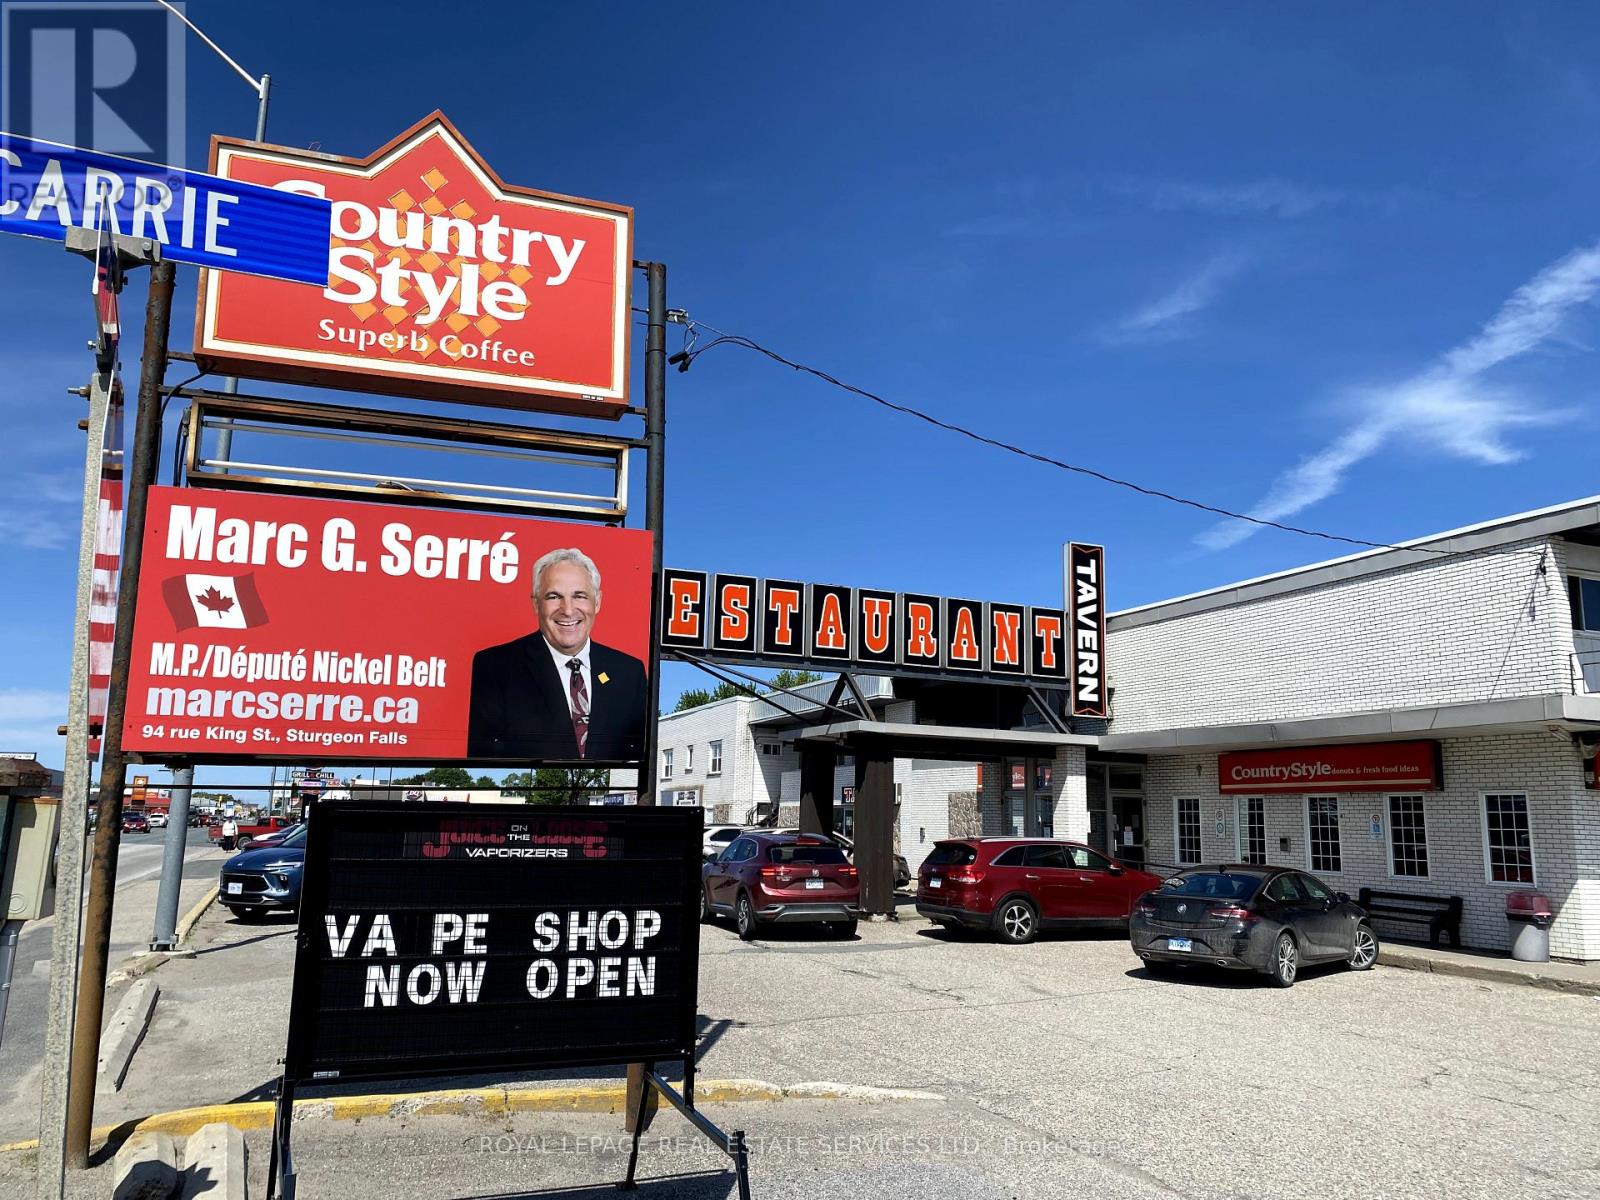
[(693, 350)]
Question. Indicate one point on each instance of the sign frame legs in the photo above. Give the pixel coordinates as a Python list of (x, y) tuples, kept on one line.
[(732, 1144)]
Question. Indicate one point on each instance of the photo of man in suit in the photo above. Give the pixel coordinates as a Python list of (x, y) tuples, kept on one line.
[(556, 693)]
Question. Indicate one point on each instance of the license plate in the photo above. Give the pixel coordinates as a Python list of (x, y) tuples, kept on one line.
[(1179, 944), (935, 883), (814, 885), (235, 888)]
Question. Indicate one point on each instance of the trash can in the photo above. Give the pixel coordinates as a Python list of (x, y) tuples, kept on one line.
[(1529, 915)]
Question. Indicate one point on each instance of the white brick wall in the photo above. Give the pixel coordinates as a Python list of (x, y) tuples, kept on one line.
[(1445, 632), (1544, 767)]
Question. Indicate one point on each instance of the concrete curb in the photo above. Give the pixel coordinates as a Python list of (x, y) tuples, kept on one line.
[(125, 1032), (191, 918), (601, 1098), (214, 1164), (146, 1168), (1470, 969)]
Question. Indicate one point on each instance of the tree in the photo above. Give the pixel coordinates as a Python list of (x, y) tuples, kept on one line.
[(556, 785), (695, 697), (448, 777), (484, 782), (794, 679)]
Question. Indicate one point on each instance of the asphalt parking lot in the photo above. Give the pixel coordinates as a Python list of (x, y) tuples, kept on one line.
[(1387, 1083), (1058, 1068)]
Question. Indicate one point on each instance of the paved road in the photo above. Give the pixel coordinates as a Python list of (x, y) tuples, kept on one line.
[(1070, 1071), (22, 1041)]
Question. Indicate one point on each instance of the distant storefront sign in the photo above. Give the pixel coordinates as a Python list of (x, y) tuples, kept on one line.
[(225, 224), (281, 627), (442, 281), (1372, 767)]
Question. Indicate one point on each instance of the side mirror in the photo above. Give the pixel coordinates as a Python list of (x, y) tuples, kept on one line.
[(1342, 897), (1116, 868)]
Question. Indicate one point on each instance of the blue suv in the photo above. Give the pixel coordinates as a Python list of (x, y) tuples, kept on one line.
[(256, 881)]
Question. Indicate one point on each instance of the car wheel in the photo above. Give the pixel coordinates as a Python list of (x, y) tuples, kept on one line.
[(744, 918), (705, 906), (1016, 922), (1365, 951), (1285, 964)]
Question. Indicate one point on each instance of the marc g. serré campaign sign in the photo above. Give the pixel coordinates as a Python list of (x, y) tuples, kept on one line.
[(47, 189), (451, 938), (280, 627), (443, 282)]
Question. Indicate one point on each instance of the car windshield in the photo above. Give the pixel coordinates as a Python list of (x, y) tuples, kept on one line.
[(806, 852), (1218, 884), (951, 854), (294, 837)]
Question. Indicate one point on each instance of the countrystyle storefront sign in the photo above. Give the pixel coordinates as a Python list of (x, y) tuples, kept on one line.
[(443, 282), (1370, 767)]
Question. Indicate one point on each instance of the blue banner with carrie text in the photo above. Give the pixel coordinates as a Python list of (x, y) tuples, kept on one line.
[(46, 188)]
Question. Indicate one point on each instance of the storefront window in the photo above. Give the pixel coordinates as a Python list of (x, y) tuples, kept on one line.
[(1408, 837), (1252, 830), (1508, 840), (1188, 832), (1322, 824)]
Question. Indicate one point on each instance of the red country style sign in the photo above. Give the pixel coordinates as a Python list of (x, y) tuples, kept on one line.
[(443, 282), (1369, 767)]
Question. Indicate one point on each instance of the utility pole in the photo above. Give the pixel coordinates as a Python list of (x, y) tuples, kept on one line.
[(54, 1092), (113, 772)]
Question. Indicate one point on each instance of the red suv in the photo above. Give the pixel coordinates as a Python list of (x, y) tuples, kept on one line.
[(764, 878), (1018, 886)]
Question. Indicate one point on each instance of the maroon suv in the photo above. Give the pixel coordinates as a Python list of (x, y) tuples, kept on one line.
[(1018, 886), (764, 878)]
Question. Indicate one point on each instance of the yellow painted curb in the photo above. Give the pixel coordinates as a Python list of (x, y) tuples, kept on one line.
[(603, 1098), (190, 918)]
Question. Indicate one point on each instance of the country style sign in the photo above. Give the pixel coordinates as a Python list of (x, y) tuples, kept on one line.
[(443, 282)]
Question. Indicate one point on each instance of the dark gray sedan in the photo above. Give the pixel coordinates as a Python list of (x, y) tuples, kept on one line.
[(1269, 919)]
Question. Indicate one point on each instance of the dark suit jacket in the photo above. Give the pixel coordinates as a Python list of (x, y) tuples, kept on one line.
[(519, 704)]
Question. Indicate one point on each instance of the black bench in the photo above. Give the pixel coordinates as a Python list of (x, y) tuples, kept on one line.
[(1441, 914)]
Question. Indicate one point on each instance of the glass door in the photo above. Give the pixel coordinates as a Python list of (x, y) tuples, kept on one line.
[(1127, 827)]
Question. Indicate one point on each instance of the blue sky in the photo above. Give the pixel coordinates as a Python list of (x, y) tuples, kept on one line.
[(1337, 266)]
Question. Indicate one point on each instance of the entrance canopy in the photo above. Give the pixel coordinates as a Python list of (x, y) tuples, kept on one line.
[(956, 743)]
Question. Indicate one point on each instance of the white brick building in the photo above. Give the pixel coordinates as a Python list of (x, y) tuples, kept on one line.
[(1467, 639), (1485, 641)]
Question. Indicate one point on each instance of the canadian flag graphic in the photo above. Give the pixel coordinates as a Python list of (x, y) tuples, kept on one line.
[(214, 601)]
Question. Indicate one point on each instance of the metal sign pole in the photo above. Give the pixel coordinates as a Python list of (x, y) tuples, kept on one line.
[(113, 771), (164, 935), (641, 1101), (74, 824)]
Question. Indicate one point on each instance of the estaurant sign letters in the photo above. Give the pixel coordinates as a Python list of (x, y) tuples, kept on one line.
[(834, 627), (443, 282)]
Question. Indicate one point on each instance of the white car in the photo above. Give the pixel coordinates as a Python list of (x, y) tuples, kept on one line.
[(719, 837), (158, 820)]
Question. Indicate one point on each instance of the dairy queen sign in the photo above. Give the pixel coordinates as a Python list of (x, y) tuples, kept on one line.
[(443, 282)]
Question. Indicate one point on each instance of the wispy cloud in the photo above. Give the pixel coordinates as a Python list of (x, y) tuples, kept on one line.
[(1268, 197), (1168, 316), (1449, 408), (43, 511), (28, 721)]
